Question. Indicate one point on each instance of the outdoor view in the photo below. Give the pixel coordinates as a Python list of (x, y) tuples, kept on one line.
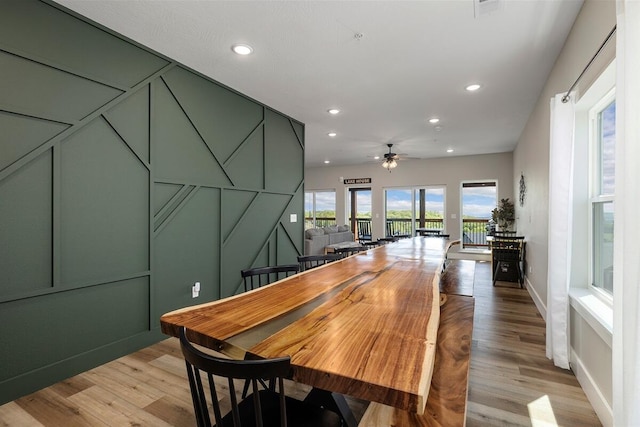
[(478, 200)]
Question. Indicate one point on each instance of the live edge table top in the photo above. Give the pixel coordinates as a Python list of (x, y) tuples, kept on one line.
[(364, 326)]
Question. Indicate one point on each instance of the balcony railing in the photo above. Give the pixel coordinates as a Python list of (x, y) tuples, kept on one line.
[(474, 233), (320, 222)]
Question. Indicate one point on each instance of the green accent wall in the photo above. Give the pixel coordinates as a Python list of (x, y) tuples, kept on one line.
[(125, 178)]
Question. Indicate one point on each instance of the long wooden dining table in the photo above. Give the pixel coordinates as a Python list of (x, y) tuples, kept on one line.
[(364, 326)]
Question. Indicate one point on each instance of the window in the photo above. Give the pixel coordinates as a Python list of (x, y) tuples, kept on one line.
[(478, 200), (602, 141), (409, 208), (319, 208)]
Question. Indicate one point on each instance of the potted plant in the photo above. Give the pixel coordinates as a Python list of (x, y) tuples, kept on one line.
[(505, 214)]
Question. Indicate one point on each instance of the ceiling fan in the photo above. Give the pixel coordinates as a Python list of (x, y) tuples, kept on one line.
[(390, 159)]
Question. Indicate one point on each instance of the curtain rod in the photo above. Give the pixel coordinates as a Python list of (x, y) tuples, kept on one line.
[(566, 97)]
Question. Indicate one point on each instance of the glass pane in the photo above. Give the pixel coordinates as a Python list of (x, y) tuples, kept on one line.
[(477, 204), (607, 144), (398, 212), (431, 201), (308, 210), (325, 208), (603, 245)]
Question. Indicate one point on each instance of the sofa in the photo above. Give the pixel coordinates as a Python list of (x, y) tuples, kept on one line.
[(317, 239)]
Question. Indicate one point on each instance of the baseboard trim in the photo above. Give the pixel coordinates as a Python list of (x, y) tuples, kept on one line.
[(591, 390), (540, 305)]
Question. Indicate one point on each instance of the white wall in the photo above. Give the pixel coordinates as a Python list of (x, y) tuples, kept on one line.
[(531, 157), (447, 171)]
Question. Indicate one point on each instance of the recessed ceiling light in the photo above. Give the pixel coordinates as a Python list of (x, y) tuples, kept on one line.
[(376, 157), (326, 162), (332, 134), (473, 87), (434, 120), (450, 150), (242, 49), (333, 111)]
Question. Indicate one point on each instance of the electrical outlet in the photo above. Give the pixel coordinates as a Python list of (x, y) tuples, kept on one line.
[(195, 290)]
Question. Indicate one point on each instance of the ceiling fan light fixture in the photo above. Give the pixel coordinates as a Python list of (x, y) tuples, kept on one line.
[(389, 164)]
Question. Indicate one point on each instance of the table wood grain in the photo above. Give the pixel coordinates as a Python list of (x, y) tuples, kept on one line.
[(372, 335)]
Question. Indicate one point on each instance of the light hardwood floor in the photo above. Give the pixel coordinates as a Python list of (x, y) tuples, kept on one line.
[(511, 382)]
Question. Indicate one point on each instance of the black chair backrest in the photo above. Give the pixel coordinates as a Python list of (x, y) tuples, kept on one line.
[(308, 262), (507, 249), (364, 231), (198, 362), (345, 252), (260, 276)]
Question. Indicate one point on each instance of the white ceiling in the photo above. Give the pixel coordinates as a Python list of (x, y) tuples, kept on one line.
[(411, 63)]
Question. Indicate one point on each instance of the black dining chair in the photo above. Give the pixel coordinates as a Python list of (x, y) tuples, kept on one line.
[(507, 255), (268, 408), (260, 276), (348, 251), (364, 231), (308, 262)]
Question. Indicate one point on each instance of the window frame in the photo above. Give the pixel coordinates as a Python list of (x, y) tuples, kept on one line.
[(595, 196)]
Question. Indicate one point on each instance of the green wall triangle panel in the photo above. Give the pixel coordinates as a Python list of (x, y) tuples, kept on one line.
[(287, 252), (130, 118), (235, 204), (298, 128), (295, 230), (163, 193), (246, 168), (284, 157), (57, 36), (104, 207), (223, 117), (180, 153), (26, 228), (247, 240), (21, 134), (46, 92)]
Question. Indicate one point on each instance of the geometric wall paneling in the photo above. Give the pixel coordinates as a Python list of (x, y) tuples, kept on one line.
[(26, 229), (184, 254), (58, 37), (298, 128), (180, 154), (35, 89), (71, 323), (250, 236), (285, 246), (284, 154), (294, 230), (235, 204), (172, 207), (223, 118), (246, 164), (130, 118), (162, 194), (104, 207), (21, 134), (124, 179)]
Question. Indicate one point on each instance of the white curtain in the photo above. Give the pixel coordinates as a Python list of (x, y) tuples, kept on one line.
[(560, 226), (626, 291)]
